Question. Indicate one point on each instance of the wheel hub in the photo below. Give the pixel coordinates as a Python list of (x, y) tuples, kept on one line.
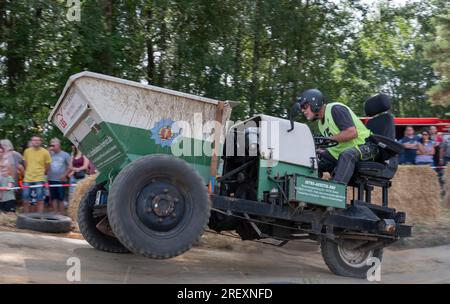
[(160, 206), (354, 257), (163, 205)]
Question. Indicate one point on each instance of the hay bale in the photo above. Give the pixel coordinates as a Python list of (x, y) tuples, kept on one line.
[(416, 191), (8, 219), (78, 194), (217, 241)]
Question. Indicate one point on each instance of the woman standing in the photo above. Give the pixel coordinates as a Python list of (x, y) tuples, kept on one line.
[(15, 159), (79, 167), (425, 151), (7, 197)]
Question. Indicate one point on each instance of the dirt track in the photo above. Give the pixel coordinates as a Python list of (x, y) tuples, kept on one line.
[(32, 258)]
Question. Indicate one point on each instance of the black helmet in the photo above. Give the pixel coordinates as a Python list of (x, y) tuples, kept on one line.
[(314, 98)]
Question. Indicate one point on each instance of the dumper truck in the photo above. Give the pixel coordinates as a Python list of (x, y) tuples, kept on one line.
[(172, 164)]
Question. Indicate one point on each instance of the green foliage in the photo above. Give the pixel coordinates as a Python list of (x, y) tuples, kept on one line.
[(261, 53), (439, 51)]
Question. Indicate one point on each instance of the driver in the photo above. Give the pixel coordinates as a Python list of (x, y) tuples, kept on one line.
[(337, 122)]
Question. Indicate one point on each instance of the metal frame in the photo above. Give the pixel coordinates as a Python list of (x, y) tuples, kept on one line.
[(365, 186), (359, 216)]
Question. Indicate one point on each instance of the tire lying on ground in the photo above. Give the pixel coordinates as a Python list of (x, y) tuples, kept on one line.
[(44, 222), (343, 259), (88, 224), (158, 206)]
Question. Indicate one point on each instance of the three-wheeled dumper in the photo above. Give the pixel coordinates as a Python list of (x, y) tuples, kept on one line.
[(158, 152)]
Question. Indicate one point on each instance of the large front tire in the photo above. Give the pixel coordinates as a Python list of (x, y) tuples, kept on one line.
[(158, 206), (343, 260), (88, 224)]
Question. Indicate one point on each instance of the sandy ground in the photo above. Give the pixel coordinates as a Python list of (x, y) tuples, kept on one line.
[(38, 258), (428, 234), (34, 257)]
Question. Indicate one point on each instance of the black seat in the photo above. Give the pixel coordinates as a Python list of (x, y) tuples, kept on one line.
[(380, 171), (383, 128)]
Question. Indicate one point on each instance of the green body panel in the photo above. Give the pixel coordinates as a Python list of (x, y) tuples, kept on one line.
[(280, 168), (304, 185), (320, 192), (114, 146)]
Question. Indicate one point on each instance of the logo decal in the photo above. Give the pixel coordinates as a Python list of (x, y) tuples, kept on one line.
[(163, 132)]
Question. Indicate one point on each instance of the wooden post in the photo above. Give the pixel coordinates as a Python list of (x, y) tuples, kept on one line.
[(216, 143)]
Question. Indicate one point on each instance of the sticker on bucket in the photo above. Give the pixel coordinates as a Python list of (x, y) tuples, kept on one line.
[(163, 133)]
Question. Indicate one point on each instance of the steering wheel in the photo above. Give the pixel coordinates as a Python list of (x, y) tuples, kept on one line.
[(324, 142)]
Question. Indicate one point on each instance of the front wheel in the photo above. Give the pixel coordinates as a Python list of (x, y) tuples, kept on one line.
[(158, 206), (349, 258)]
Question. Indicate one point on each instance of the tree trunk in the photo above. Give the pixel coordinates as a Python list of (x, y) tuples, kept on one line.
[(162, 46), (255, 59), (15, 60), (237, 65), (149, 45), (105, 56)]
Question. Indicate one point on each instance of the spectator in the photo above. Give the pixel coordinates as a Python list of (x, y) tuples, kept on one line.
[(79, 166), (7, 197), (445, 152), (410, 142), (58, 174), (435, 135), (437, 139), (37, 163), (425, 151), (15, 159)]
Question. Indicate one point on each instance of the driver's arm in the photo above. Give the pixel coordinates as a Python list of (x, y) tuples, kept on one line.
[(346, 135), (343, 119)]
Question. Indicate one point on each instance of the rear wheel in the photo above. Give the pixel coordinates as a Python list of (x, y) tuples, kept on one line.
[(348, 258), (88, 224), (158, 206)]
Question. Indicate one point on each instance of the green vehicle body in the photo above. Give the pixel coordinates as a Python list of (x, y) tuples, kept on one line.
[(114, 122)]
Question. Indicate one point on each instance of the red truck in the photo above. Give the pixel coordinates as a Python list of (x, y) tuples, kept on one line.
[(443, 125)]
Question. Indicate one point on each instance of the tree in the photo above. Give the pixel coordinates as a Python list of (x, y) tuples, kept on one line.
[(439, 52), (387, 55)]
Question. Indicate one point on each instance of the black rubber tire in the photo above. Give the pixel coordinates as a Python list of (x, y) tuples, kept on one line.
[(87, 224), (123, 197), (44, 222), (337, 265)]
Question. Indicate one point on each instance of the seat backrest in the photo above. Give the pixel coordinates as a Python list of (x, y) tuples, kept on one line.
[(381, 123)]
